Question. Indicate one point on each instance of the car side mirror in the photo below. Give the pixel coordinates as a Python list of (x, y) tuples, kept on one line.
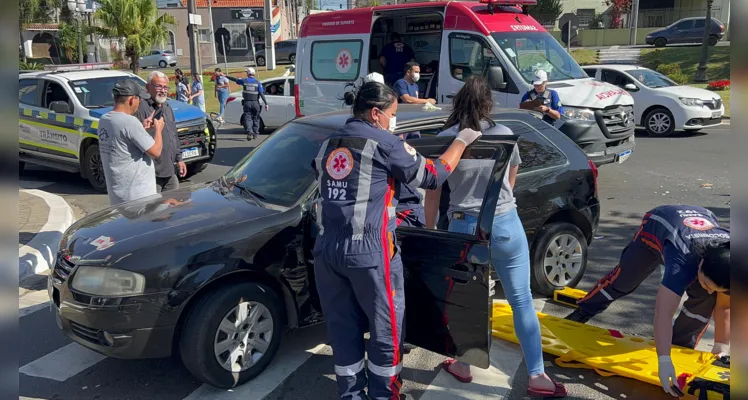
[(60, 107), (496, 78), (631, 87)]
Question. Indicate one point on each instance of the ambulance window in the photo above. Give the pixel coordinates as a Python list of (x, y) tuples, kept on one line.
[(336, 60), (469, 55), (27, 93)]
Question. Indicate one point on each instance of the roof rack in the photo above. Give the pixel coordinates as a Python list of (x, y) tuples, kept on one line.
[(78, 67)]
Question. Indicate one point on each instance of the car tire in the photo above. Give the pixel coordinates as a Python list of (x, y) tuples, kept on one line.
[(94, 170), (261, 61), (292, 58), (561, 242), (713, 40), (202, 331), (659, 123), (162, 64), (660, 42)]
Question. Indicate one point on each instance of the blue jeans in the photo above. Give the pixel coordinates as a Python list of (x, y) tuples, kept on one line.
[(510, 257), (223, 95)]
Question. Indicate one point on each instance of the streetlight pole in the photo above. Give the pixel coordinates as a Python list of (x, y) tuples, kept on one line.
[(701, 75)]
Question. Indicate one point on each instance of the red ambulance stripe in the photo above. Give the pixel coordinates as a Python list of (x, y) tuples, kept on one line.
[(386, 244)]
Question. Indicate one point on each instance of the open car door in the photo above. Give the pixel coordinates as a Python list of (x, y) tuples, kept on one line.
[(448, 305)]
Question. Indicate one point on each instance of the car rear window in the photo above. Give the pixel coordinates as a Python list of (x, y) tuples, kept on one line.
[(535, 150), (336, 60)]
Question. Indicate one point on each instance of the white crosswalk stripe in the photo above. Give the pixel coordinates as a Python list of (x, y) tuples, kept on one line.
[(62, 363)]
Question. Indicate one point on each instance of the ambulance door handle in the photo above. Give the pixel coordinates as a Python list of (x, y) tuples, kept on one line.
[(450, 96), (38, 116)]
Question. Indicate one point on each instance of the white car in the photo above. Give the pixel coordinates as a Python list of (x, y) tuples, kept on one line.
[(279, 94), (158, 59), (661, 105)]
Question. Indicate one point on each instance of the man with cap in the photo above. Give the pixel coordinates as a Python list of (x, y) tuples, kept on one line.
[(127, 150), (252, 91), (550, 104)]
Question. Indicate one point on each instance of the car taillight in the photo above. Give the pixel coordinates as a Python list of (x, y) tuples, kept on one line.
[(722, 28), (595, 173), (296, 101)]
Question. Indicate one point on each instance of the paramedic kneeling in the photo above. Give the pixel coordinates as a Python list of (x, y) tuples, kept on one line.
[(695, 251), (549, 102)]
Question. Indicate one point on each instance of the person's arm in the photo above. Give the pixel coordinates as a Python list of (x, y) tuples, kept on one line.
[(722, 325), (525, 97), (514, 163), (152, 146), (431, 206), (415, 100), (239, 81), (261, 90), (555, 110)]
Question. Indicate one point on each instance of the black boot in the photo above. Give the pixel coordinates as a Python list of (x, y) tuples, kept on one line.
[(250, 136), (579, 316)]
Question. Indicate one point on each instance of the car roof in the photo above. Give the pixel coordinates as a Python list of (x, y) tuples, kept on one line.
[(617, 67), (407, 114), (76, 75)]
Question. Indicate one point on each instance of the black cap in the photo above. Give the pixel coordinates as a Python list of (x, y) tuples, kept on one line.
[(128, 87)]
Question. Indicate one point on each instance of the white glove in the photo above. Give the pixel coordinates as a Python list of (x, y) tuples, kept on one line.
[(468, 136), (666, 371), (721, 349)]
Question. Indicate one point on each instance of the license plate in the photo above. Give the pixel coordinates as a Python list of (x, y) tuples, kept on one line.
[(190, 153), (624, 156), (716, 114)]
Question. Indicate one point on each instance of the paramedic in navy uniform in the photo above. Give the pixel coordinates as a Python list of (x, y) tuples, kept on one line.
[(252, 91), (393, 58), (695, 252), (356, 261), (407, 87), (550, 104)]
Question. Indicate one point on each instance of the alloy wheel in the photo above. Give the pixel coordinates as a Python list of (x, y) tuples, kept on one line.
[(96, 169), (563, 259), (659, 123), (243, 336)]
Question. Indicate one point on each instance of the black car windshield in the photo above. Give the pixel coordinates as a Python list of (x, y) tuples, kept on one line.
[(279, 171), (97, 92), (530, 51), (652, 79)]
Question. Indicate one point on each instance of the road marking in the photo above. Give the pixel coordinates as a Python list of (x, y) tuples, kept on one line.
[(32, 302), (62, 363), (38, 254), (295, 351)]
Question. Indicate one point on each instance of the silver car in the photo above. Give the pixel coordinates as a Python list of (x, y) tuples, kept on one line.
[(284, 51), (158, 58)]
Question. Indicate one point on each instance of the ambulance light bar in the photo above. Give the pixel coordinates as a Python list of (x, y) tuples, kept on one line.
[(78, 67)]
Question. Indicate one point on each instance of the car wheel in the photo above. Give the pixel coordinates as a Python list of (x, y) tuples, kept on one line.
[(292, 58), (559, 257), (94, 169), (162, 64), (660, 42), (261, 61), (713, 40), (659, 123), (232, 334)]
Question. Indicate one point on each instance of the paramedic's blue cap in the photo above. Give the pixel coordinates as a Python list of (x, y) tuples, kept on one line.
[(540, 77), (128, 87)]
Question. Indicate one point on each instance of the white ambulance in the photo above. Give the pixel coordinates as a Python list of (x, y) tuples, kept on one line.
[(452, 40)]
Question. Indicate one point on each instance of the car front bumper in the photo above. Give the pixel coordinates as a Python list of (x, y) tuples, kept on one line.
[(698, 117), (604, 141)]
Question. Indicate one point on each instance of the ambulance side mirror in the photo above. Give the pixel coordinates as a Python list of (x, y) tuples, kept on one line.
[(496, 78)]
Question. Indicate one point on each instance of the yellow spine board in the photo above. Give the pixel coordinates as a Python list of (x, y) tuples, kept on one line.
[(607, 351)]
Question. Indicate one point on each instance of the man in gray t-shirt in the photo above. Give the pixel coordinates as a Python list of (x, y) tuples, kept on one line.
[(126, 149), (469, 181)]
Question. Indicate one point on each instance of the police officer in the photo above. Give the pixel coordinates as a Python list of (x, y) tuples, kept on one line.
[(357, 265), (695, 251), (550, 104), (252, 91)]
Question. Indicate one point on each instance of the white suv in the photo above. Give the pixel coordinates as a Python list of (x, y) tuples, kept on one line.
[(661, 105)]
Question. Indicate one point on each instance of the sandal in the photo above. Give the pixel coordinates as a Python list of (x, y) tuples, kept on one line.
[(447, 363), (560, 391)]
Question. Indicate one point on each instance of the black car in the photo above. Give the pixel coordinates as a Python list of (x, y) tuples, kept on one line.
[(216, 271), (687, 30)]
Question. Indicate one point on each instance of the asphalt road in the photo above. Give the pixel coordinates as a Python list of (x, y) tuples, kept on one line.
[(686, 169)]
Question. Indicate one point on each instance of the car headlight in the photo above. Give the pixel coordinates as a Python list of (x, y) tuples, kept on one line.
[(579, 114), (107, 281), (689, 101)]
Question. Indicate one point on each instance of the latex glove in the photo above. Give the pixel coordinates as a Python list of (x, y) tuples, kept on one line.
[(468, 136), (666, 372), (721, 349)]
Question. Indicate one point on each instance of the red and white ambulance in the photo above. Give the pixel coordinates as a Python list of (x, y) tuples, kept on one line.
[(452, 40)]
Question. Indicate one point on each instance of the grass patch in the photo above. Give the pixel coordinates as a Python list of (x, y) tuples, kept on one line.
[(687, 58), (724, 94), (585, 56)]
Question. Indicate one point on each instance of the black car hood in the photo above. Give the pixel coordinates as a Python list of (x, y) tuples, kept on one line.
[(144, 224)]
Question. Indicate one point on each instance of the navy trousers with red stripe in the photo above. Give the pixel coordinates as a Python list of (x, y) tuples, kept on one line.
[(637, 262), (356, 299)]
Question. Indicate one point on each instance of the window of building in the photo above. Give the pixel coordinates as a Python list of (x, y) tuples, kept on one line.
[(338, 60), (238, 33), (204, 35)]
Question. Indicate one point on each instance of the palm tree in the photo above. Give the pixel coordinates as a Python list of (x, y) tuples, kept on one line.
[(135, 21)]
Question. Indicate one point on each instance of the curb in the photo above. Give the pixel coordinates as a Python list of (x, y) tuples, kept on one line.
[(38, 255)]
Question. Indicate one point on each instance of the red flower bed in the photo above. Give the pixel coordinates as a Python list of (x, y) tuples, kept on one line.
[(719, 85)]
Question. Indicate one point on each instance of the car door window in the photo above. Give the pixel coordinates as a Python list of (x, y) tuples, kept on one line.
[(469, 55), (27, 92), (699, 24), (274, 88), (590, 72), (535, 150), (684, 25), (54, 92), (155, 52), (615, 78)]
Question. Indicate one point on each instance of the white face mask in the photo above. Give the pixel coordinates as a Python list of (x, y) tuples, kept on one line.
[(458, 76), (393, 122), (416, 76)]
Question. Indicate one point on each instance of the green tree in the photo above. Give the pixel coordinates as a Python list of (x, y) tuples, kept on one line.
[(547, 11), (135, 21)]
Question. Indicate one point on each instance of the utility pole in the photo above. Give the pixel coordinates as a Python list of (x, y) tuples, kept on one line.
[(212, 33), (192, 36), (269, 45), (351, 4), (701, 75), (634, 21), (95, 45)]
